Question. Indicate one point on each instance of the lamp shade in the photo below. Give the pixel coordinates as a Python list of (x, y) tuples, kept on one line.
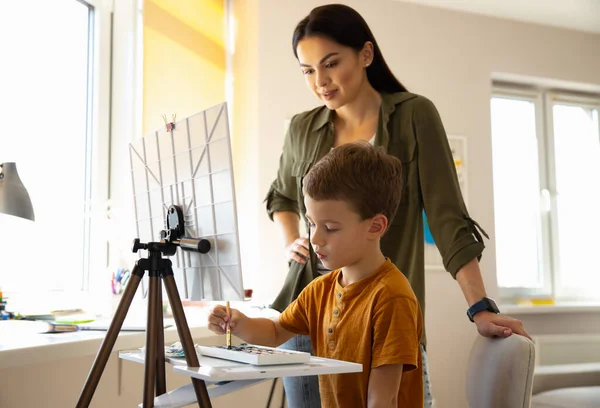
[(14, 199)]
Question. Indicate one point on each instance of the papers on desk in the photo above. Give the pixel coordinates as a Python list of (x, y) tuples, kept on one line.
[(133, 325)]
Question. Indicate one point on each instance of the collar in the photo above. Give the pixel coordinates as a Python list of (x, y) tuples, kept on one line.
[(358, 287), (323, 117), (388, 106)]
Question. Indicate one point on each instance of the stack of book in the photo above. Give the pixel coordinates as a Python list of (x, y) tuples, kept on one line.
[(4, 315)]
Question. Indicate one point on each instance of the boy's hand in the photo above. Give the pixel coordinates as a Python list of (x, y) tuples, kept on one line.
[(217, 320)]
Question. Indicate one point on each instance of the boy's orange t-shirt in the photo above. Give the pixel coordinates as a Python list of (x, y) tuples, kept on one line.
[(374, 322)]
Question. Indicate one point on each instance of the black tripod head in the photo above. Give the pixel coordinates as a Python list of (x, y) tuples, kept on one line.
[(173, 237)]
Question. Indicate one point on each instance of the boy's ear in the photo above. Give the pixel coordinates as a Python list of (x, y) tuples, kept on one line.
[(379, 225)]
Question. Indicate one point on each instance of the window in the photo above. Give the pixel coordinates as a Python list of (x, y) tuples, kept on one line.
[(546, 166), (54, 108)]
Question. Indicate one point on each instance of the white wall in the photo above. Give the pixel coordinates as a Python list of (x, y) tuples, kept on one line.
[(445, 55)]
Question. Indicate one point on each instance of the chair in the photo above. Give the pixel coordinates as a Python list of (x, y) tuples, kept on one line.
[(567, 386), (567, 372), (500, 372)]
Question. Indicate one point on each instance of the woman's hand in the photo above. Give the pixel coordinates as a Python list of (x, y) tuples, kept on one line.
[(218, 318), (297, 251), (296, 248), (496, 325)]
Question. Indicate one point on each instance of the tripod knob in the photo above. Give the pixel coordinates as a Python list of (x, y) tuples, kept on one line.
[(195, 245), (204, 246), (137, 245)]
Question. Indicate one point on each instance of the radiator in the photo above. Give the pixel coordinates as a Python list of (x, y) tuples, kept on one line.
[(554, 349)]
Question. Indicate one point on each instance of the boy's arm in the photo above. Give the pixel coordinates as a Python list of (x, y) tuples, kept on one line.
[(396, 334), (259, 331), (384, 385)]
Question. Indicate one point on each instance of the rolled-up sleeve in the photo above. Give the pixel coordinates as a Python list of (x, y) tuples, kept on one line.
[(454, 232), (283, 193), (396, 333)]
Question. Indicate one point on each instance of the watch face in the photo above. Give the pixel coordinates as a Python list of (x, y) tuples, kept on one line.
[(492, 307)]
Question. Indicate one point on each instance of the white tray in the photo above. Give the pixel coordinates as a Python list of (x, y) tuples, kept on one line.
[(229, 376), (217, 370), (232, 371), (255, 355)]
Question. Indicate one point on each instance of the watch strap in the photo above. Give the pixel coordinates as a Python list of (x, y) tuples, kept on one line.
[(484, 304)]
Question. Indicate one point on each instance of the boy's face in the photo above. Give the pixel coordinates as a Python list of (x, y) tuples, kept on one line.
[(338, 234)]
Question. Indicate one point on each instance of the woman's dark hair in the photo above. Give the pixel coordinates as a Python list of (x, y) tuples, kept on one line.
[(344, 25)]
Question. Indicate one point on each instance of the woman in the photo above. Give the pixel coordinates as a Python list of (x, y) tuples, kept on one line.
[(345, 69)]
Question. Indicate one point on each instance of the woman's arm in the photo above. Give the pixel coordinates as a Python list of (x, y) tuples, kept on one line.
[(282, 202), (384, 385), (488, 324), (453, 230), (288, 223), (283, 193)]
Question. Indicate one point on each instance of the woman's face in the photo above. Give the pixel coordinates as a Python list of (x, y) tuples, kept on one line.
[(333, 72)]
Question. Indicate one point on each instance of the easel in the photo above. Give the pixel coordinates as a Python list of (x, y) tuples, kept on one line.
[(159, 269)]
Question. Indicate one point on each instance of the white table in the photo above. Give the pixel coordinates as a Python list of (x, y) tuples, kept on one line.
[(22, 344)]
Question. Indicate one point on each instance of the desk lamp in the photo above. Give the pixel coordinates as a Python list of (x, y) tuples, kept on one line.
[(14, 199)]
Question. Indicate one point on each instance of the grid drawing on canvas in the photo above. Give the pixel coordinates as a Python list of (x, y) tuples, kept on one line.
[(191, 166)]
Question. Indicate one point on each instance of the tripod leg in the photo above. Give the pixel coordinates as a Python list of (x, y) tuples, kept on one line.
[(185, 337), (151, 333), (271, 393), (161, 381), (109, 341)]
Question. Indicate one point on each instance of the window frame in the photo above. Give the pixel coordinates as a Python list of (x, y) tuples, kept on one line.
[(115, 115), (120, 96), (544, 99), (97, 163), (550, 99), (99, 75), (529, 95)]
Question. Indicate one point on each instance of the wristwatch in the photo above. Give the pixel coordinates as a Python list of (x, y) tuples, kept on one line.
[(484, 304)]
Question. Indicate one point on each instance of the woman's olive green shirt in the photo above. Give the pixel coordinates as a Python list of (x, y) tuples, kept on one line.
[(409, 128)]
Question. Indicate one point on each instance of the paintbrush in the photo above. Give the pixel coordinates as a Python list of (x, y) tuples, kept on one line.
[(228, 335)]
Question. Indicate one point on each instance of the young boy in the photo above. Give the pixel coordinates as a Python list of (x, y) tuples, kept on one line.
[(364, 311)]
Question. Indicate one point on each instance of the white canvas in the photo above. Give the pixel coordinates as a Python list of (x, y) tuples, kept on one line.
[(190, 166)]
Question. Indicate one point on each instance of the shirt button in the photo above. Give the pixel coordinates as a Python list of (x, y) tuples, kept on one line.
[(336, 312), (339, 295), (330, 330)]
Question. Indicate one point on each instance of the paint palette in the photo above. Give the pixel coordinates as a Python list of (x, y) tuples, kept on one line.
[(256, 355)]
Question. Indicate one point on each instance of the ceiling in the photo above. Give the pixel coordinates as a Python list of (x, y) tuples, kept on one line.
[(582, 15)]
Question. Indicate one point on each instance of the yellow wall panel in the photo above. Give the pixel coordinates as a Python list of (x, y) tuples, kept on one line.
[(205, 16), (184, 59)]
